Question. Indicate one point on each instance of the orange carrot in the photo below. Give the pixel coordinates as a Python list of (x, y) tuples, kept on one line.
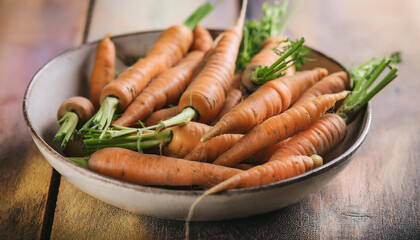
[(72, 112), (160, 115), (321, 137), (165, 89), (333, 83), (263, 155), (103, 69), (147, 169), (278, 128), (265, 57), (202, 39), (269, 100), (208, 151), (233, 97), (236, 82)]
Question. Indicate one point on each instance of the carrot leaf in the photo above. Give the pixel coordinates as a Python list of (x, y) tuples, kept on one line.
[(199, 14), (67, 129), (255, 32), (364, 76)]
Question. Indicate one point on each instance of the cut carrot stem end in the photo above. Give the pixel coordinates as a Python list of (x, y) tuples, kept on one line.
[(68, 125), (318, 160)]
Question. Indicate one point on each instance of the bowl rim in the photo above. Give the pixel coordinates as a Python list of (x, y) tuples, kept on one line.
[(342, 158)]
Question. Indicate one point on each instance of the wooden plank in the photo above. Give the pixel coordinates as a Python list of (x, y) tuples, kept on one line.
[(32, 32), (374, 197)]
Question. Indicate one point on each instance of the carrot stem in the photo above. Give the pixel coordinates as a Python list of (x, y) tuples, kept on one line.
[(137, 142), (364, 76), (81, 161), (276, 70), (184, 117), (68, 125), (199, 14)]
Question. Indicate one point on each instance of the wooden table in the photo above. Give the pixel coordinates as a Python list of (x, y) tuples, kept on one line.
[(376, 196)]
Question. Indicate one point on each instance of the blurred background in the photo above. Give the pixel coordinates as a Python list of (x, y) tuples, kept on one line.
[(376, 196)]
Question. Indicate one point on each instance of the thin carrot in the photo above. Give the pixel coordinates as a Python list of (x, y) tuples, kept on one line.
[(72, 112), (165, 89), (233, 97), (269, 100), (278, 128), (236, 82), (169, 48), (202, 39), (332, 83), (103, 69), (160, 115), (147, 169)]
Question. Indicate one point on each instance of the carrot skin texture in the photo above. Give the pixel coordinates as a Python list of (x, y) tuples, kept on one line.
[(202, 39), (164, 89), (278, 128), (233, 97), (82, 106), (148, 169), (236, 81), (332, 83), (159, 115), (269, 172), (169, 48), (208, 151), (103, 69), (269, 100), (321, 137), (206, 94)]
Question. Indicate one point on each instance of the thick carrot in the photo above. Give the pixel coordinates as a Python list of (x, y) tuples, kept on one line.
[(263, 155), (321, 137), (164, 89), (266, 57), (278, 128), (160, 115), (269, 100), (332, 83), (72, 112), (147, 169), (233, 97), (202, 39), (103, 69), (208, 151)]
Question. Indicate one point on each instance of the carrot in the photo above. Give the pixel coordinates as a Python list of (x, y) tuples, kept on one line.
[(159, 115), (333, 83), (269, 100), (147, 169), (236, 81), (263, 155), (278, 128), (208, 151), (202, 39), (103, 69), (72, 112), (169, 48), (233, 97), (264, 58), (165, 89)]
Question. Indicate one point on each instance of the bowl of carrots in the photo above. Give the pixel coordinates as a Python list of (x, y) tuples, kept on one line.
[(291, 130)]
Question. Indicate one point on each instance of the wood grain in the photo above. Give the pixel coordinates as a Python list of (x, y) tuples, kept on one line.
[(32, 32), (376, 196)]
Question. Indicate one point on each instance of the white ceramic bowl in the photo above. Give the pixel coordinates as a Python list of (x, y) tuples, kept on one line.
[(68, 75)]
